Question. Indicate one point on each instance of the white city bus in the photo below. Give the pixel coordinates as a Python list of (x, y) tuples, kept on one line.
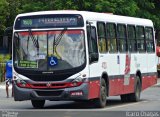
[(80, 55)]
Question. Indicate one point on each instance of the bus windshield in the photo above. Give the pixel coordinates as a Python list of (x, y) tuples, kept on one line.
[(49, 50)]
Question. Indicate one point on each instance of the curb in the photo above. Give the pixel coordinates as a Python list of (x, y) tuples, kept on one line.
[(3, 86), (158, 84)]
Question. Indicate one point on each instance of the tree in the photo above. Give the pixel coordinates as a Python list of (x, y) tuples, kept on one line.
[(138, 8), (3, 14)]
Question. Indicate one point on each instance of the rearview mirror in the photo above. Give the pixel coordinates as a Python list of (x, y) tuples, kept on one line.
[(93, 57)]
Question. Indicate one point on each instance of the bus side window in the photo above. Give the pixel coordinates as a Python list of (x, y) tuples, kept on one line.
[(140, 39), (92, 43), (149, 39), (111, 37), (122, 38), (132, 45), (101, 37)]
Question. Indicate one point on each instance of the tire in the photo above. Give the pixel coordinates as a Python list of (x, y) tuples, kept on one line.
[(101, 101), (158, 74), (135, 97), (125, 98), (38, 103)]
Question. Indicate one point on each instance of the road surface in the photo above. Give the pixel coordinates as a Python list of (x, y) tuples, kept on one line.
[(148, 105)]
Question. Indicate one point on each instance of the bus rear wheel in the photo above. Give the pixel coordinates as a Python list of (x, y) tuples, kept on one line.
[(101, 101), (133, 97), (38, 103), (125, 98)]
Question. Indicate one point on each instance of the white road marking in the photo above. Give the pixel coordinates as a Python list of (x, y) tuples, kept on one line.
[(74, 110), (4, 86), (121, 106)]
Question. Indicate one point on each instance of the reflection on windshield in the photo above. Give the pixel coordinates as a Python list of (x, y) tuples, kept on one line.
[(58, 50)]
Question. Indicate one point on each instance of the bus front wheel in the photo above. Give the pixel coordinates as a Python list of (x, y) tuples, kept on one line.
[(38, 103), (101, 101)]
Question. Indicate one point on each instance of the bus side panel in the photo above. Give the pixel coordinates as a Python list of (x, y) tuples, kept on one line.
[(148, 81), (150, 78), (117, 86), (93, 89), (112, 69), (129, 88)]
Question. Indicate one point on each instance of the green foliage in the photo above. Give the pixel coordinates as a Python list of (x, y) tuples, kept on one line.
[(4, 58), (138, 8), (3, 14)]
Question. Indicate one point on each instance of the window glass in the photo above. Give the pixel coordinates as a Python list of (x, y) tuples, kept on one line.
[(140, 32), (122, 42), (149, 39), (121, 29), (149, 33), (101, 37), (131, 38), (92, 40), (111, 37), (140, 38)]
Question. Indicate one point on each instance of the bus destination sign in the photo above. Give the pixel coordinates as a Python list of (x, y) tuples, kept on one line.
[(50, 21), (28, 64)]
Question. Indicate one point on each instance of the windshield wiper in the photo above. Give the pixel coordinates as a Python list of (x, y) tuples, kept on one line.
[(35, 41), (57, 40), (17, 45)]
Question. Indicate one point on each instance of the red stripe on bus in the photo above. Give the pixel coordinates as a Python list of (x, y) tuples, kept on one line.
[(51, 32), (33, 33), (117, 87), (41, 85), (148, 81), (93, 89)]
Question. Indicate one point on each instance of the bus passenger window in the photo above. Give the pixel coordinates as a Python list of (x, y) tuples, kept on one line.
[(140, 39), (149, 39), (101, 37), (111, 37), (131, 38), (92, 40), (122, 41)]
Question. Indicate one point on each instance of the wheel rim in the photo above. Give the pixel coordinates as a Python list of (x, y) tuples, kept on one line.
[(103, 93), (137, 91)]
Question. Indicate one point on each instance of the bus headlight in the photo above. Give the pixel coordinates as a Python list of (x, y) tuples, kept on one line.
[(21, 83), (77, 82)]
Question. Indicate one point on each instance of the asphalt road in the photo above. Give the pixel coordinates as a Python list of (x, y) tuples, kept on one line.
[(149, 105)]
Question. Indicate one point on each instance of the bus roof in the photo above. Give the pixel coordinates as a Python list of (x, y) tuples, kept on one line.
[(94, 16)]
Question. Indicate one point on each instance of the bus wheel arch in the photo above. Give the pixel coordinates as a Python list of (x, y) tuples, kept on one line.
[(135, 96), (106, 78), (100, 102), (139, 75), (38, 103)]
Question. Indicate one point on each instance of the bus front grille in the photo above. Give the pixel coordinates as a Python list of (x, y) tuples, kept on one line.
[(49, 93), (41, 77)]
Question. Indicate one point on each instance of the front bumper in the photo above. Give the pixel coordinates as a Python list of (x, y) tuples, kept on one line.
[(21, 94)]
